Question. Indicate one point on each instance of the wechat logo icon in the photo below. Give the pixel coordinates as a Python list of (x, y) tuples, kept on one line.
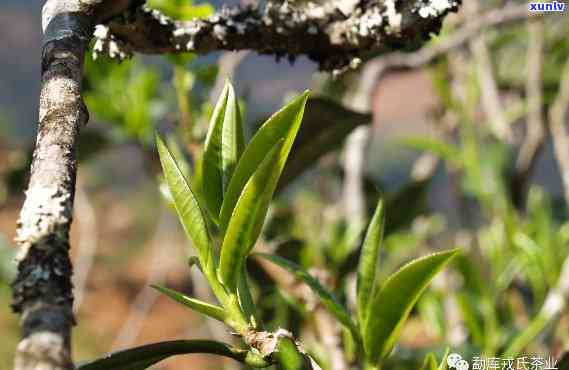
[(455, 361)]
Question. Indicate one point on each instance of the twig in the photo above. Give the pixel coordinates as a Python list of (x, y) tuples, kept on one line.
[(228, 62), (376, 68), (353, 198), (88, 238), (147, 296), (472, 28), (559, 134), (489, 94), (535, 127)]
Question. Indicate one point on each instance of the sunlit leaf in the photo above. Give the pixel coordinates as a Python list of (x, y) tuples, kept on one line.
[(327, 298), (430, 362), (282, 125), (223, 147), (248, 217), (195, 304), (443, 364), (368, 264), (187, 205), (391, 304)]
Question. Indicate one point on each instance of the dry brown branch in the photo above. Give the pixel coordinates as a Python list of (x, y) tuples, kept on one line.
[(558, 129), (472, 28), (375, 68), (535, 127), (489, 94)]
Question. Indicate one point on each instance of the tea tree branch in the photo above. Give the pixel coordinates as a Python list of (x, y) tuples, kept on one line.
[(42, 288), (334, 38)]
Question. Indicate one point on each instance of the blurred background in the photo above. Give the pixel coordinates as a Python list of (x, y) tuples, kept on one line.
[(462, 147)]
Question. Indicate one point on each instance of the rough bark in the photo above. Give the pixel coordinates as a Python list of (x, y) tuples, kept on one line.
[(42, 288), (335, 38)]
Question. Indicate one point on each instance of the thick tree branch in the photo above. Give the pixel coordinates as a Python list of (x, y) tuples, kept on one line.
[(42, 288), (332, 37)]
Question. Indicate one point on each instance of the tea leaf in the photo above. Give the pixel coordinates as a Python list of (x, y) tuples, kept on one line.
[(282, 125), (223, 146), (187, 205), (193, 303), (391, 304), (367, 269), (430, 362), (247, 219)]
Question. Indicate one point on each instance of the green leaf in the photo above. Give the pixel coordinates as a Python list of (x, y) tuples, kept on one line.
[(282, 125), (391, 304), (187, 206), (195, 304), (140, 358), (247, 220), (245, 297), (289, 357), (430, 362), (443, 364), (325, 126), (367, 269), (224, 144), (325, 296)]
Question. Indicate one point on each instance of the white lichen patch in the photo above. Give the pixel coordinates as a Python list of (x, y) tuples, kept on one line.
[(370, 22), (156, 14), (106, 42), (393, 17), (43, 350), (435, 8), (44, 212)]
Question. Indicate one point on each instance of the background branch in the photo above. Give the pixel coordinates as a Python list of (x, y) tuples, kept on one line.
[(490, 97), (535, 126), (332, 37), (557, 126)]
